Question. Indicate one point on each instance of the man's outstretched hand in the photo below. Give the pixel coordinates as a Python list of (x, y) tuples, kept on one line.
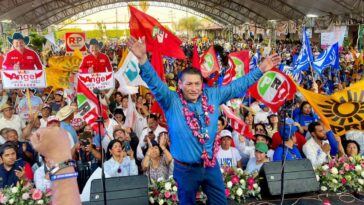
[(270, 62), (138, 48)]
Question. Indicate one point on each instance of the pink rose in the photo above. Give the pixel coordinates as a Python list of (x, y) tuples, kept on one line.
[(352, 166), (167, 194), (331, 163), (235, 179), (174, 197), (250, 181), (343, 181), (3, 198), (347, 167), (227, 192), (48, 192), (250, 187), (342, 171), (37, 194), (326, 202), (323, 173)]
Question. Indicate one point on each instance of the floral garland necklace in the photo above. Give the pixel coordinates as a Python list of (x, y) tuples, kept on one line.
[(192, 122)]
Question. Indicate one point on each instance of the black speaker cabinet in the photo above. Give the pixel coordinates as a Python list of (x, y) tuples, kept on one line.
[(299, 177), (130, 190)]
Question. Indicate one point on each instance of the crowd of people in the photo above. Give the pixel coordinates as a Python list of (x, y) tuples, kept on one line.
[(144, 147)]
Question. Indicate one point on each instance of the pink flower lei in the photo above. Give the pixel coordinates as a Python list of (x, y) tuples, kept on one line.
[(192, 122)]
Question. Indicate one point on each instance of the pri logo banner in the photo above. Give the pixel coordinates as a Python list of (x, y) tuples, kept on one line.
[(75, 40), (13, 79), (273, 89)]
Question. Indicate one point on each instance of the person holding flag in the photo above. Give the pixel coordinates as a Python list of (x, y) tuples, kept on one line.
[(95, 62), (192, 114), (21, 58)]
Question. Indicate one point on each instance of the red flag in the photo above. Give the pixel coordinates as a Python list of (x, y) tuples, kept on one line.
[(157, 61), (236, 123), (195, 57), (88, 107), (141, 24), (273, 88), (239, 66), (209, 63)]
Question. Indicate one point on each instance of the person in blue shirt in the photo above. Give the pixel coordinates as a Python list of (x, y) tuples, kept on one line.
[(66, 115), (192, 113), (289, 148), (305, 116)]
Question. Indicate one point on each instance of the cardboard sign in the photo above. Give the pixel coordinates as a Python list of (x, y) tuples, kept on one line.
[(75, 40), (102, 81), (13, 79)]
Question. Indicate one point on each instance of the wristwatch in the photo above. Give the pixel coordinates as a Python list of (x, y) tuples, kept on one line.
[(62, 165)]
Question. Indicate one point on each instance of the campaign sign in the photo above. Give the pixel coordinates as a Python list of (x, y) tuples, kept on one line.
[(75, 40), (101, 81), (13, 79)]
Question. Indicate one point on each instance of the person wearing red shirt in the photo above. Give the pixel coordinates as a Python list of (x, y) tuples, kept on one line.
[(95, 62), (21, 58)]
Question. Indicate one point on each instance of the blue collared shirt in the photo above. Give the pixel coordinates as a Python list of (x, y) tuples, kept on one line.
[(184, 146)]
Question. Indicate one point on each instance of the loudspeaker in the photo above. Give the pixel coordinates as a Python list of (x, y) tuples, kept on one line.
[(129, 190), (299, 177)]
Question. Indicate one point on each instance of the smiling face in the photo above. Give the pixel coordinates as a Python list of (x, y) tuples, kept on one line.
[(19, 45), (116, 150), (191, 86), (94, 49)]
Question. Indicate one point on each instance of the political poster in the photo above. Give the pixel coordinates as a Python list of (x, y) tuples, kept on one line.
[(13, 79), (74, 41), (102, 81)]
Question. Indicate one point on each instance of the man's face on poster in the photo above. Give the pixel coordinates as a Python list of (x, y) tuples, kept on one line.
[(94, 49), (19, 45)]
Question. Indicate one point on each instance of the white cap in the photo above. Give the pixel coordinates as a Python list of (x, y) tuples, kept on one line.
[(226, 133)]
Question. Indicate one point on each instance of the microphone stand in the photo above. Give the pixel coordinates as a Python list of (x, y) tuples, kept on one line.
[(100, 122), (284, 153)]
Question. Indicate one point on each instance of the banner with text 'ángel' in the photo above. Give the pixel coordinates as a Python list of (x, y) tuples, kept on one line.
[(342, 111), (273, 88)]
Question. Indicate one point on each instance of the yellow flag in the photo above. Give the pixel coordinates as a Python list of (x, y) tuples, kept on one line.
[(57, 78), (123, 57), (343, 111)]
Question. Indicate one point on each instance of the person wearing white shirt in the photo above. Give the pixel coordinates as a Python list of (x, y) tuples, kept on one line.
[(261, 116), (248, 149), (316, 149), (121, 162), (41, 176), (154, 127), (357, 136), (46, 112), (228, 156), (9, 120)]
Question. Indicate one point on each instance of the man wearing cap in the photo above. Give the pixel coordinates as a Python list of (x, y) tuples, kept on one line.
[(58, 101), (10, 120), (260, 158), (228, 156), (95, 62), (46, 112), (289, 148), (21, 58), (65, 115)]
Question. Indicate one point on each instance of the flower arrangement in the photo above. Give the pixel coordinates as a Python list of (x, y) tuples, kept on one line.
[(24, 193), (342, 174), (239, 184), (165, 192)]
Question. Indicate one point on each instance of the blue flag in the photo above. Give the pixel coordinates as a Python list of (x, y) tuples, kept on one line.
[(254, 61), (298, 77), (329, 57), (305, 57)]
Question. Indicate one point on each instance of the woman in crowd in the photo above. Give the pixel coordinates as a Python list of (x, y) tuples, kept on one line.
[(352, 148), (157, 161), (120, 161), (305, 116), (273, 124)]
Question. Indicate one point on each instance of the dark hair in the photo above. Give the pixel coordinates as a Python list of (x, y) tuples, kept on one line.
[(11, 130), (190, 71), (6, 146), (155, 143), (269, 140), (152, 116), (110, 145), (4, 131), (117, 130), (222, 119), (263, 125), (302, 105), (312, 126), (118, 93), (123, 97), (353, 142)]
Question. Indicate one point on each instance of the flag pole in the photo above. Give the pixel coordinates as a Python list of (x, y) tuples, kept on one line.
[(29, 102), (49, 95)]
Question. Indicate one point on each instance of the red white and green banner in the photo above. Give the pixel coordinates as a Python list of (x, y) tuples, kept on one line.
[(102, 81), (237, 123), (238, 66), (13, 79), (209, 63), (273, 88)]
